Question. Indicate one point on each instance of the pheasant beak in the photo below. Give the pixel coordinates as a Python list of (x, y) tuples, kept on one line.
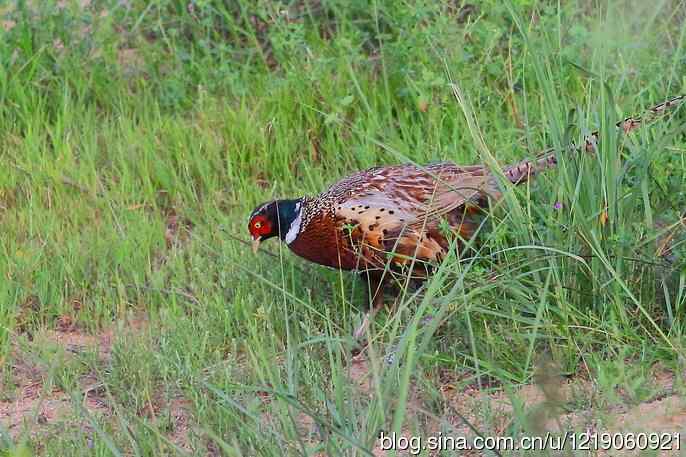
[(256, 244)]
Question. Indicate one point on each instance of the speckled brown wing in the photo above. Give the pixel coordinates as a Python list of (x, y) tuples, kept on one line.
[(399, 209)]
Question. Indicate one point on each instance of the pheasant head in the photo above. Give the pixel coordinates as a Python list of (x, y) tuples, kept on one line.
[(277, 217)]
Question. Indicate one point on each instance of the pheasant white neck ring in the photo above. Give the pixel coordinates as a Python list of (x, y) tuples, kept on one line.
[(294, 229)]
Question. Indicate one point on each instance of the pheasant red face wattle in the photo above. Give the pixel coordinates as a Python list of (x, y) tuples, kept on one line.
[(259, 226)]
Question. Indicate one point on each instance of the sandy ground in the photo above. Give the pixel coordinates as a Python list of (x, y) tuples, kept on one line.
[(30, 404)]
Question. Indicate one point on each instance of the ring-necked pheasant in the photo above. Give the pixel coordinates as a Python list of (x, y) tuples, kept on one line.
[(396, 215)]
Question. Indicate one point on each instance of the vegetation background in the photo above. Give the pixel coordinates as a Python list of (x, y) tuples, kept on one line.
[(136, 136)]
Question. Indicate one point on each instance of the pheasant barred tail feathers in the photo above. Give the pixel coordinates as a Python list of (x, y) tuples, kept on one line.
[(655, 112), (632, 123), (526, 169)]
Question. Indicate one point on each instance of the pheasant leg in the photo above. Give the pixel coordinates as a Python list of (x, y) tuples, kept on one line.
[(375, 282)]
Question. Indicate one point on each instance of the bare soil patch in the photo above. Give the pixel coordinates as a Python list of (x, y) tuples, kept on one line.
[(31, 404)]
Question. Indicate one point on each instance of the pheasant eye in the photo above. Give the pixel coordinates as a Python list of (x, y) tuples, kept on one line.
[(258, 225)]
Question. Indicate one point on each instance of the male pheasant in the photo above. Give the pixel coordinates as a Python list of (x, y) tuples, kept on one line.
[(396, 216)]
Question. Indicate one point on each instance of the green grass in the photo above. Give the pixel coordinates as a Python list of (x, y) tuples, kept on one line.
[(117, 117)]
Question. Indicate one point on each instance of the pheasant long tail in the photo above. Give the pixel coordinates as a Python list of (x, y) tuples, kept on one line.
[(524, 170)]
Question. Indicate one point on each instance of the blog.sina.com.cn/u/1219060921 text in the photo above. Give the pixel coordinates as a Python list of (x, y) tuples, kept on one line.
[(573, 441)]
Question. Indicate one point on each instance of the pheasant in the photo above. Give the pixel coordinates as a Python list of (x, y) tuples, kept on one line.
[(394, 218)]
